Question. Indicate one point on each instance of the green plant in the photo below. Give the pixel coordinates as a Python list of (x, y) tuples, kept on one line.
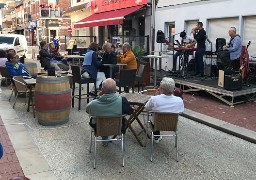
[(138, 51)]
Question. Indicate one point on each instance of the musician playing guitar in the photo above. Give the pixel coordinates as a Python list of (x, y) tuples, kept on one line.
[(186, 42)]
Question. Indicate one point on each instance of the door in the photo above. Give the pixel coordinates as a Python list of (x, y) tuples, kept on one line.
[(52, 34)]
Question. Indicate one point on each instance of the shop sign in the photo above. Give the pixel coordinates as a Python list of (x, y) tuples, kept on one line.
[(98, 6)]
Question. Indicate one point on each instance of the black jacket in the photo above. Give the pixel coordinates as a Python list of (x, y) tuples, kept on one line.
[(45, 57), (200, 38)]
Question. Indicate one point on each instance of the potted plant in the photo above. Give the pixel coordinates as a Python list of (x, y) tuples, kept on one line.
[(138, 52)]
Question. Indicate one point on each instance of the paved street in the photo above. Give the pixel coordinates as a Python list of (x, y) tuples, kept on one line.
[(205, 153)]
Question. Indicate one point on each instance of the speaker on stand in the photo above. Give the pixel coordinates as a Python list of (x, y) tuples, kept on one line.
[(160, 38)]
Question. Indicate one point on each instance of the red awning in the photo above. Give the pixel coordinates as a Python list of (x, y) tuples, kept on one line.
[(106, 18)]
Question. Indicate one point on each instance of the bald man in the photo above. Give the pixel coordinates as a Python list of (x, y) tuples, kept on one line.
[(108, 104), (235, 48)]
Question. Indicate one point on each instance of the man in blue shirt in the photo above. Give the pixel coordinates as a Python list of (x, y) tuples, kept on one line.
[(234, 48), (56, 43), (15, 68)]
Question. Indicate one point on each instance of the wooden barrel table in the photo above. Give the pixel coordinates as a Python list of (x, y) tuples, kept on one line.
[(52, 100)]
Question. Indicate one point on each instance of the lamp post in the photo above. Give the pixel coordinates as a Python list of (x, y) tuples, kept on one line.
[(153, 24)]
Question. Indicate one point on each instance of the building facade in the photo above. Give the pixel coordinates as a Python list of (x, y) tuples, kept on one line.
[(37, 19), (118, 22)]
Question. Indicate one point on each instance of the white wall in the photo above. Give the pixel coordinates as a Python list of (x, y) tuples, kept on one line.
[(203, 11)]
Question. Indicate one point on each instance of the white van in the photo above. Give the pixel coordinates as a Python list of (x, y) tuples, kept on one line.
[(17, 42)]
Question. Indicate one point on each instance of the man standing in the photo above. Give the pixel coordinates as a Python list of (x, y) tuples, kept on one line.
[(56, 42), (235, 48), (200, 37), (108, 104), (165, 101)]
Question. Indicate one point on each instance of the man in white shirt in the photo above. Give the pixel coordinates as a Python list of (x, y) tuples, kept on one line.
[(165, 101)]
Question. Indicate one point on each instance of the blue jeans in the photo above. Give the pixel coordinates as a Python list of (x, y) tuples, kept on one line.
[(64, 61), (176, 55), (199, 59), (1, 151)]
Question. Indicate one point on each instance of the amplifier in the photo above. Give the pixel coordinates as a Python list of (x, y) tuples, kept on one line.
[(233, 82)]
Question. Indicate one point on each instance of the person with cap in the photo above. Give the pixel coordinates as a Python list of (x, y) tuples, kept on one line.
[(186, 41)]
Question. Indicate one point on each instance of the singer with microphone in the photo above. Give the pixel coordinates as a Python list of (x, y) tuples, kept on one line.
[(15, 68), (200, 36)]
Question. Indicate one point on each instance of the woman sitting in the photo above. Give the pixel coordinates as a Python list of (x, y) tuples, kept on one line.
[(108, 57), (55, 53), (92, 64)]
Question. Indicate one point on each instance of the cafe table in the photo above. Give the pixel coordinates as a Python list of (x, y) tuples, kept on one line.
[(155, 57), (73, 57), (138, 100), (111, 67), (30, 82)]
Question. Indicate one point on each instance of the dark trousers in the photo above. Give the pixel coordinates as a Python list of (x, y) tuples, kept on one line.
[(199, 59), (236, 64)]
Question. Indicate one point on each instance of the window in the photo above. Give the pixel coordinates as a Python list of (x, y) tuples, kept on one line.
[(170, 32), (7, 40)]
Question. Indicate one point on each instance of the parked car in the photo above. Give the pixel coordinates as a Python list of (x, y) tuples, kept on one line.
[(17, 42)]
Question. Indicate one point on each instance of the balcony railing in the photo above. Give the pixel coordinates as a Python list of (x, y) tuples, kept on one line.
[(50, 12)]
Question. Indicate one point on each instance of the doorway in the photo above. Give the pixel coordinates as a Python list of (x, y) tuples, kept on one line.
[(52, 34)]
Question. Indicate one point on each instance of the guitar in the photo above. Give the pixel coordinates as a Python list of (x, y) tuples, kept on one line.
[(191, 44), (244, 64)]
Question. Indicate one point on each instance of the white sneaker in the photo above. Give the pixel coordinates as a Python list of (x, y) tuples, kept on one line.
[(158, 140)]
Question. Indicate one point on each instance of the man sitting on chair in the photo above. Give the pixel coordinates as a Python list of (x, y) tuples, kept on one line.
[(234, 48), (15, 68), (108, 104), (186, 41), (165, 101)]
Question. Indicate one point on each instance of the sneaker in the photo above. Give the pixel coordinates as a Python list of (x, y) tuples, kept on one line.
[(158, 139)]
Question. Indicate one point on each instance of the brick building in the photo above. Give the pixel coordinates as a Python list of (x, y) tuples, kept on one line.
[(37, 19)]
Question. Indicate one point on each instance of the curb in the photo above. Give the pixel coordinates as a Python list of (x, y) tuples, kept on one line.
[(220, 125)]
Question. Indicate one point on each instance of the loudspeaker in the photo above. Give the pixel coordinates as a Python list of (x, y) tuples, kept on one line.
[(160, 37), (220, 42), (233, 82)]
